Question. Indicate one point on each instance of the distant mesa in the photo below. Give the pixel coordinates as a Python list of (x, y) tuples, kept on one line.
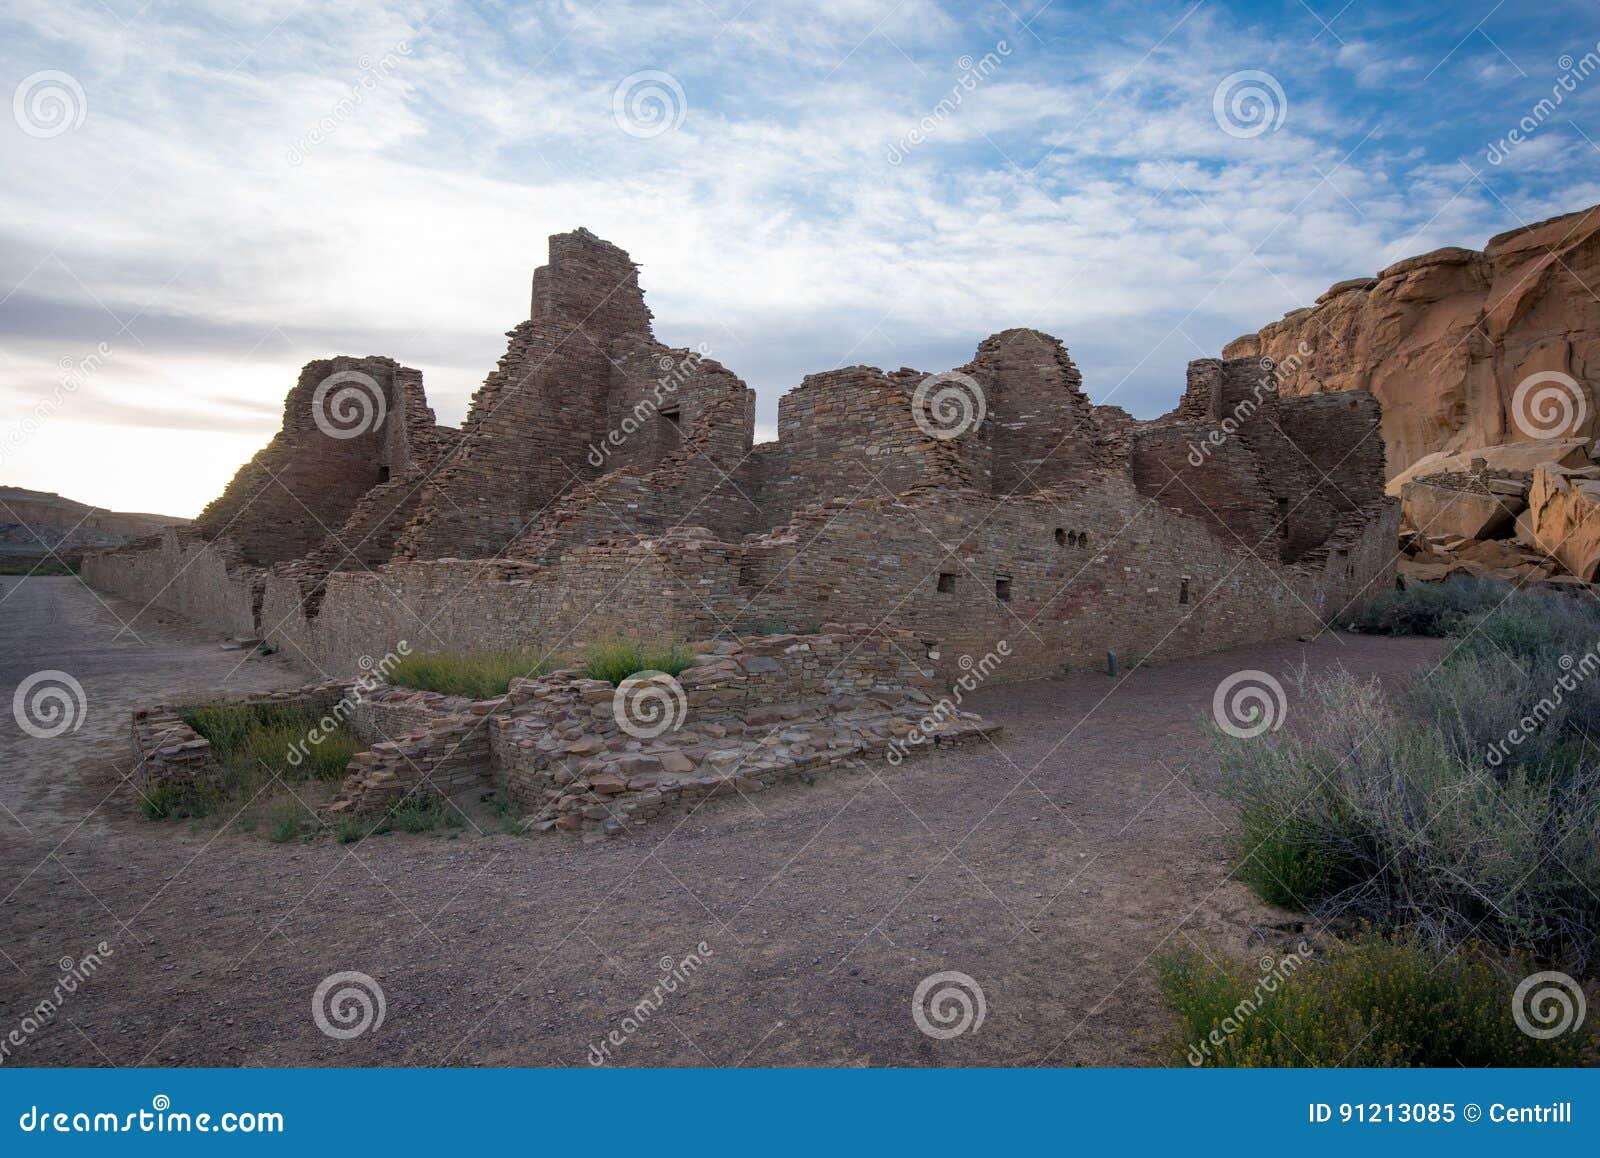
[(36, 525)]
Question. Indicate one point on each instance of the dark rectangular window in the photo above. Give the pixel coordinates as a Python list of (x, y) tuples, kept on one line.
[(947, 581), (1002, 590)]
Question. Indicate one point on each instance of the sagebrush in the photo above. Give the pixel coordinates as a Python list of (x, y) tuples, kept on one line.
[(1369, 1001)]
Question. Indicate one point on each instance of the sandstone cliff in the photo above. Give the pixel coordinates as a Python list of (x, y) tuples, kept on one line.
[(1445, 339)]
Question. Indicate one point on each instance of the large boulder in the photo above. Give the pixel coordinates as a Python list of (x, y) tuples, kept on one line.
[(1508, 456), (1456, 511), (1564, 513)]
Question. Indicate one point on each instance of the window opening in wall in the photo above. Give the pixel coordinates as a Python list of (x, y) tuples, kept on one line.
[(1061, 537), (947, 581), (1283, 518), (675, 417), (1083, 538), (1183, 589), (1002, 590), (383, 474)]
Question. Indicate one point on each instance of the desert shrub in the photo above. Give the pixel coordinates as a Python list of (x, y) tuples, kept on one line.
[(349, 830), (480, 675), (420, 812), (616, 660), (1372, 812), (1430, 608), (1370, 1001), (164, 802)]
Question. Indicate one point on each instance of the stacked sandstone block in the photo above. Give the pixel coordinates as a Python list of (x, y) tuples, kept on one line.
[(753, 713)]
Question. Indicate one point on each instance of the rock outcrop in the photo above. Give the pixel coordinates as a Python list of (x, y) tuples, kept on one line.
[(1444, 340), (38, 524)]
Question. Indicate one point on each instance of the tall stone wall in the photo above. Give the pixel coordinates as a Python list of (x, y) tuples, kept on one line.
[(180, 571), (309, 478)]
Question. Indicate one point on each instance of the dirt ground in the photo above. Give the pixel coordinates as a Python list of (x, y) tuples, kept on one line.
[(1049, 869)]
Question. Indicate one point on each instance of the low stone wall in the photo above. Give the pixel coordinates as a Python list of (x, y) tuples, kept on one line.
[(418, 740), (580, 755)]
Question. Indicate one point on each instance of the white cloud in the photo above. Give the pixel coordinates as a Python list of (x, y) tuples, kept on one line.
[(1084, 187)]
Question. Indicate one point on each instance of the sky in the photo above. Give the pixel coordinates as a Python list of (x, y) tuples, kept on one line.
[(198, 198)]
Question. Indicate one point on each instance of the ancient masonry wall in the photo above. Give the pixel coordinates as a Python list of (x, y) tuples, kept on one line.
[(306, 482), (751, 714), (180, 571), (607, 486)]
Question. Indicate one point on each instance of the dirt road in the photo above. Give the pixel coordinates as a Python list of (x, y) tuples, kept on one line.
[(1047, 869)]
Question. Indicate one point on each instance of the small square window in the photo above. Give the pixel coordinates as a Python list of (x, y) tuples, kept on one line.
[(1002, 590), (947, 582)]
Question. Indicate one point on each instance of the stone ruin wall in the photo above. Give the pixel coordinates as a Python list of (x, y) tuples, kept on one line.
[(181, 571), (510, 534)]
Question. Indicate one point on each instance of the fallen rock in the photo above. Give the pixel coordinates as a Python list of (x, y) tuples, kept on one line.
[(1468, 514), (1509, 456), (1564, 510)]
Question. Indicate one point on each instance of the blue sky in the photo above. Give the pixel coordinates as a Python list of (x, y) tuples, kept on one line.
[(199, 198)]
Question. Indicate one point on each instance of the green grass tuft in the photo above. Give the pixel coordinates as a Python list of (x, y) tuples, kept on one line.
[(616, 660), (421, 812), (480, 675)]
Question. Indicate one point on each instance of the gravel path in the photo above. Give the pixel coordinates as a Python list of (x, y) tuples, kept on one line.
[(1047, 868)]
